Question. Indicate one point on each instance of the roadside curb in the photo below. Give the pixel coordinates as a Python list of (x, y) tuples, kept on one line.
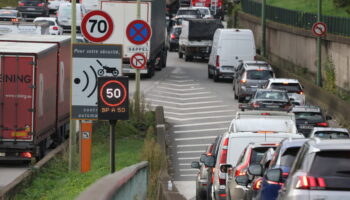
[(5, 192)]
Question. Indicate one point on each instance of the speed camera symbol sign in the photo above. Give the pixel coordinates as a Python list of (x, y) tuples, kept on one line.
[(113, 98)]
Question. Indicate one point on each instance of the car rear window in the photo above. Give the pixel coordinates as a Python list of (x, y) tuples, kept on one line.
[(259, 74), (272, 95), (309, 116), (51, 23), (7, 13), (187, 12), (290, 87), (257, 155), (288, 156), (331, 135)]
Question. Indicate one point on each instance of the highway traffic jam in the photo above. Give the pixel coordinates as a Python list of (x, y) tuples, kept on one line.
[(277, 145)]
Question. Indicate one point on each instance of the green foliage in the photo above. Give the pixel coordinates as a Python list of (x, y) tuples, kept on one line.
[(153, 153), (329, 76), (12, 3), (341, 3)]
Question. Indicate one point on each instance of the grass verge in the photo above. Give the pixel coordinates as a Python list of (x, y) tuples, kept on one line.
[(12, 3)]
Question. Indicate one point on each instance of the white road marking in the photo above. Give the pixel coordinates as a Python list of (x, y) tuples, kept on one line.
[(200, 130), (181, 99), (183, 104), (183, 85), (199, 113), (194, 175), (195, 138), (192, 145), (188, 158), (183, 94), (188, 170), (201, 124), (197, 118), (181, 81), (180, 90), (193, 108), (185, 164), (184, 152)]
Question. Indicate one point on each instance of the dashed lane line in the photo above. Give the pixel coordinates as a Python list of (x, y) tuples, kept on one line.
[(181, 99), (188, 170), (180, 90), (188, 158), (178, 85), (200, 113), (195, 138), (200, 124), (185, 164), (190, 175), (182, 94), (184, 152), (183, 104), (200, 130), (186, 109), (192, 145), (197, 118)]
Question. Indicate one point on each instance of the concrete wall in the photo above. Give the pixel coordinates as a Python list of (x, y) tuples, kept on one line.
[(295, 46)]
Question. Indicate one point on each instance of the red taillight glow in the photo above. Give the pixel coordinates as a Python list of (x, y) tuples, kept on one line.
[(40, 4), (223, 158), (222, 195), (256, 105), (217, 62), (300, 92), (243, 80), (55, 28), (285, 174), (26, 155), (14, 20), (322, 124), (21, 4), (310, 182), (257, 184), (242, 169), (265, 113), (172, 36)]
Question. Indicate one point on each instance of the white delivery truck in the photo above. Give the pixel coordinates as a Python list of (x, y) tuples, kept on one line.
[(30, 28), (153, 12)]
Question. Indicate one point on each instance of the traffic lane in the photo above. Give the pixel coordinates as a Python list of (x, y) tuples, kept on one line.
[(9, 172)]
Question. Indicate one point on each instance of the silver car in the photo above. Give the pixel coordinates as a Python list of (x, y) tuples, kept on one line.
[(329, 133), (321, 170)]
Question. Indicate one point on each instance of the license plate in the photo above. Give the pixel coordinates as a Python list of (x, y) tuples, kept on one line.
[(199, 4), (31, 9), (306, 126), (227, 68), (2, 154)]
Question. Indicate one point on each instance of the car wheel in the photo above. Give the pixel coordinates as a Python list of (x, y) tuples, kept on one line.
[(216, 77), (210, 76), (187, 58), (240, 99), (234, 92), (180, 55)]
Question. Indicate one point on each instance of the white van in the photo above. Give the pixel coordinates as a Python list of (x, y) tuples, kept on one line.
[(64, 16), (90, 5), (230, 47)]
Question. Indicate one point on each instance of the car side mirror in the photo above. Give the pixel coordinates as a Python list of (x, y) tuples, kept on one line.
[(274, 175), (255, 170), (203, 158), (242, 180), (195, 165), (329, 117), (210, 161), (224, 168)]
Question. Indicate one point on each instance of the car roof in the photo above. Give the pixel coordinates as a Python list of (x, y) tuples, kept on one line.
[(263, 144), (281, 80), (255, 62), (290, 143), (331, 144), (187, 8), (315, 129), (264, 135), (255, 67), (45, 18), (270, 90), (306, 108), (262, 114)]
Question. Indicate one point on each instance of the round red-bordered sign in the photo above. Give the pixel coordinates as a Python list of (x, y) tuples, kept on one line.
[(319, 29), (97, 26), (138, 61), (122, 99), (138, 32)]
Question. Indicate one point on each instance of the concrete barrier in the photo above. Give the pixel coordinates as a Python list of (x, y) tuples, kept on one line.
[(128, 183)]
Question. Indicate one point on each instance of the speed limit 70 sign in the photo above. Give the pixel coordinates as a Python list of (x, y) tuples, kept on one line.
[(113, 98), (97, 26)]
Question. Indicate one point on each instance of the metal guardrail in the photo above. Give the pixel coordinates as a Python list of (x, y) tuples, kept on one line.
[(335, 25), (128, 183)]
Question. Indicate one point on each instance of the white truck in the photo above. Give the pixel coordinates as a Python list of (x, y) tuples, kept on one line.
[(196, 37), (153, 12), (41, 28)]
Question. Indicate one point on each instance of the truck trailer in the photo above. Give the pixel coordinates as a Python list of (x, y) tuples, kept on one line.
[(153, 12), (28, 99)]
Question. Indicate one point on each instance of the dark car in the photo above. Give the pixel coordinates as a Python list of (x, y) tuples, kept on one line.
[(10, 15), (249, 76), (33, 8), (308, 117), (268, 99), (173, 38)]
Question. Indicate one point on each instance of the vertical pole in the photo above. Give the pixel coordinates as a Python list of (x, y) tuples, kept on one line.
[(263, 28), (138, 78), (85, 145), (112, 144), (72, 123), (319, 53)]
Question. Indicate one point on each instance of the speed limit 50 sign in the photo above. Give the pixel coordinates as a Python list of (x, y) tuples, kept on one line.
[(97, 26), (113, 98)]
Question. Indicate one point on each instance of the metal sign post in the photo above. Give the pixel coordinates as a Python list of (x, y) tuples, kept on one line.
[(113, 105)]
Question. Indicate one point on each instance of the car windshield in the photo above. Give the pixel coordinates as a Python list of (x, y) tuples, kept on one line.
[(334, 167), (331, 135), (7, 13), (290, 87), (51, 23), (271, 95), (259, 74), (187, 12), (309, 116), (257, 155), (288, 156)]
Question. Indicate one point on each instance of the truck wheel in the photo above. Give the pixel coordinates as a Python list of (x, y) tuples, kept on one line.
[(234, 93), (210, 76), (216, 77), (180, 55), (188, 58)]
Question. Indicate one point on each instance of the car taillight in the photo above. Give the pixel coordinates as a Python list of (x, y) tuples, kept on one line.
[(14, 20), (222, 195), (212, 175), (223, 158), (256, 105), (285, 174), (300, 92), (172, 36), (257, 184), (55, 28), (40, 4), (242, 169), (26, 155), (310, 183), (243, 80), (322, 124), (217, 62), (20, 4)]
